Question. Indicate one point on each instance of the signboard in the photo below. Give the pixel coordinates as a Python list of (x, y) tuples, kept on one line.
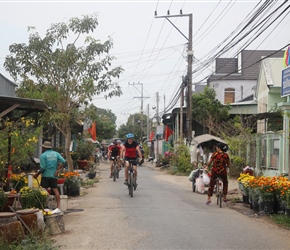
[(159, 130), (285, 88)]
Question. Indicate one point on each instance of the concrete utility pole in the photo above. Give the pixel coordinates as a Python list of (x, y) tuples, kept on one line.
[(141, 98), (189, 70), (181, 109)]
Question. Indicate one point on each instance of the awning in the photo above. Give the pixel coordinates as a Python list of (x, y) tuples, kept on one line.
[(9, 104), (206, 138)]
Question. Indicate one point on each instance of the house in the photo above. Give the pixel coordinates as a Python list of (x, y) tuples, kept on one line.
[(232, 83), (272, 127), (7, 87)]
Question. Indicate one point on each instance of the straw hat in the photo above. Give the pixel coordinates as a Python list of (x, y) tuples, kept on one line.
[(47, 144)]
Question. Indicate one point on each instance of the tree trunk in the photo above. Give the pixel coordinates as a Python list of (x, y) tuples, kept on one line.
[(66, 150)]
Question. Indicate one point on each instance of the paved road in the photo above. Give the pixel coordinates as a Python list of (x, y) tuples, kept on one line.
[(163, 214)]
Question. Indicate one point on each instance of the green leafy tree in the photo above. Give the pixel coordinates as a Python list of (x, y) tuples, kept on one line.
[(63, 73), (136, 124), (207, 110), (105, 121)]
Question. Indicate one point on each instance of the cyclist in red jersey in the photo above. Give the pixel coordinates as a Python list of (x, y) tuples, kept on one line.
[(128, 152), (114, 151)]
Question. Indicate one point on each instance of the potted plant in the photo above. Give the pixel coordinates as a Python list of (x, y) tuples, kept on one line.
[(18, 181), (84, 152), (92, 170), (72, 183), (33, 197)]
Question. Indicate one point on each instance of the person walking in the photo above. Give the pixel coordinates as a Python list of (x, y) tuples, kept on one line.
[(50, 163), (221, 161)]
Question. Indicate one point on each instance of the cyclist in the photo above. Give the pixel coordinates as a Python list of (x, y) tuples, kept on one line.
[(221, 161), (128, 152), (114, 151), (120, 162)]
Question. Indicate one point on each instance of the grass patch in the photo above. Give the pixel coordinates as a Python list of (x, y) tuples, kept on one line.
[(39, 242), (281, 219), (88, 182)]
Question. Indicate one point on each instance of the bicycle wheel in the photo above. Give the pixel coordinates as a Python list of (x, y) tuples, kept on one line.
[(114, 172), (118, 172), (221, 198), (131, 178), (217, 192)]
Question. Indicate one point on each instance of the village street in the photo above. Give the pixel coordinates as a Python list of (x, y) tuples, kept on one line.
[(163, 214)]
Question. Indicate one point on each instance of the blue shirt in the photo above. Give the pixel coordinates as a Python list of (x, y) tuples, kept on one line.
[(49, 161)]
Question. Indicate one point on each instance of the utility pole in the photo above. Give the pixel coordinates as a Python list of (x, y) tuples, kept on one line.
[(141, 98), (181, 109), (157, 136), (148, 123), (189, 70)]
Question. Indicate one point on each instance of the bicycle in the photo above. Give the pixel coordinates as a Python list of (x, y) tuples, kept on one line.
[(219, 190), (115, 169), (131, 180)]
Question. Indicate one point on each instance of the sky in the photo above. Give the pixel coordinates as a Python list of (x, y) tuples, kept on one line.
[(151, 50)]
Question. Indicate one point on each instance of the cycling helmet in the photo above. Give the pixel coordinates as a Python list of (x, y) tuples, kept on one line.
[(119, 141), (115, 142), (130, 135)]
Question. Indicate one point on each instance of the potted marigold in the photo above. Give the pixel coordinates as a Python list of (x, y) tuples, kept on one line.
[(72, 183)]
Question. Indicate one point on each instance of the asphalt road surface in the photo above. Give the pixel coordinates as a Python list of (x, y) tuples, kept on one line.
[(163, 214)]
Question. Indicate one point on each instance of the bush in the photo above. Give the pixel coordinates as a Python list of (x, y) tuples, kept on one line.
[(180, 160)]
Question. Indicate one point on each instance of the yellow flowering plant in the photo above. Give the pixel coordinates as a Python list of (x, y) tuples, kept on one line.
[(244, 180), (22, 136), (33, 197), (18, 181)]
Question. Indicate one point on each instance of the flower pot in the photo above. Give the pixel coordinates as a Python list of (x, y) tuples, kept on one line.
[(9, 202), (82, 164), (60, 180), (266, 207), (91, 175), (72, 191)]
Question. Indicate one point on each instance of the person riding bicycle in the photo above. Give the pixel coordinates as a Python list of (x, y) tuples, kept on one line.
[(129, 150), (221, 161), (114, 151)]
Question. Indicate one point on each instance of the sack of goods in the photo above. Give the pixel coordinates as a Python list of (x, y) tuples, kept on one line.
[(206, 178), (200, 185)]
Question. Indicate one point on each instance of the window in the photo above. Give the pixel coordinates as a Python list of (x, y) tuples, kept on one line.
[(229, 95)]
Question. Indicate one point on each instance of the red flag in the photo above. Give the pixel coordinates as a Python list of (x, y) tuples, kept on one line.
[(168, 132), (93, 131), (151, 135)]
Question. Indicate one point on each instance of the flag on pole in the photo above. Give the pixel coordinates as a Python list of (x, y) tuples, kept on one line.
[(286, 58), (151, 136), (168, 132), (93, 131)]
